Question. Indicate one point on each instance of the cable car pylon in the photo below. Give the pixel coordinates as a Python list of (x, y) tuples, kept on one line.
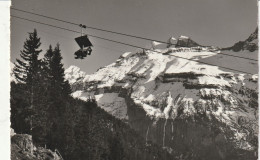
[(84, 44)]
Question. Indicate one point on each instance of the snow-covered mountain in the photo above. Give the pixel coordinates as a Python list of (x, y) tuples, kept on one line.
[(74, 74), (173, 98)]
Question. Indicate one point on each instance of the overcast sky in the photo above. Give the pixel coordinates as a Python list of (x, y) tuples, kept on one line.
[(208, 22)]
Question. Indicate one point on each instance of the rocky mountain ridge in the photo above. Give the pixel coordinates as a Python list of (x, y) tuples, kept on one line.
[(251, 43), (172, 98)]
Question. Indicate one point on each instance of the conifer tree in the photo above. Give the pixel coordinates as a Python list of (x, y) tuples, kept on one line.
[(47, 76), (57, 70), (56, 85), (42, 119), (25, 70), (47, 60), (57, 92)]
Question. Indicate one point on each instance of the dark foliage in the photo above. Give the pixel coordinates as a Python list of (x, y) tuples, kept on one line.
[(84, 131), (91, 133), (19, 108)]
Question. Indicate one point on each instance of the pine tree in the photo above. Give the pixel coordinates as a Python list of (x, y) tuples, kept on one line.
[(61, 86), (57, 87), (47, 76), (25, 70), (47, 60), (57, 92), (42, 119)]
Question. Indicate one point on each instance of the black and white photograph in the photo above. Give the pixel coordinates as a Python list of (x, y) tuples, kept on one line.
[(133, 80)]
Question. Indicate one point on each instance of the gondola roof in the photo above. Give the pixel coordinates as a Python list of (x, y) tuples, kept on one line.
[(83, 41)]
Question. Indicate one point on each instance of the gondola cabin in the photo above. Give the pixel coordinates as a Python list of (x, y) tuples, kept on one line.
[(85, 47)]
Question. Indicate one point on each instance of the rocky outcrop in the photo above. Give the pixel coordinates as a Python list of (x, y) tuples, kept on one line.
[(184, 41), (23, 149)]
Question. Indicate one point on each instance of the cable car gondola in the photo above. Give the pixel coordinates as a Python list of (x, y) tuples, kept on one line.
[(84, 44)]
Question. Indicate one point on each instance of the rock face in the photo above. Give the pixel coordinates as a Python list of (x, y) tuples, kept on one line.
[(23, 149), (74, 74), (184, 41), (193, 110), (250, 44)]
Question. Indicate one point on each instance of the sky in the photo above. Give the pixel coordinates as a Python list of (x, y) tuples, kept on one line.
[(209, 22)]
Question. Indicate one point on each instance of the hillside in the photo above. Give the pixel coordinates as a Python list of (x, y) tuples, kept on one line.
[(192, 109), (84, 132)]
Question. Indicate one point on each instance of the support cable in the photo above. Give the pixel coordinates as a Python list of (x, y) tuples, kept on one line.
[(98, 37)]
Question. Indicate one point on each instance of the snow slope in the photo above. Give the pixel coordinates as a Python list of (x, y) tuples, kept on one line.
[(167, 83), (73, 74)]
